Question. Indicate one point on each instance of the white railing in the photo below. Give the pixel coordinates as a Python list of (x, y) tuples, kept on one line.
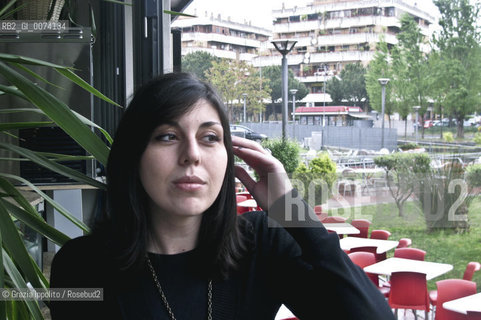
[(220, 53), (205, 37)]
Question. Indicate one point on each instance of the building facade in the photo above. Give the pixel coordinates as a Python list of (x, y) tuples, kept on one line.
[(222, 38), (333, 33)]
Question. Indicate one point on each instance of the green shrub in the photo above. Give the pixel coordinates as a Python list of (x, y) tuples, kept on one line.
[(477, 137), (473, 175), (321, 168), (286, 151), (448, 137), (409, 146)]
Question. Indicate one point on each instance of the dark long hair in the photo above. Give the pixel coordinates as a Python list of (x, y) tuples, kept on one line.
[(166, 98)]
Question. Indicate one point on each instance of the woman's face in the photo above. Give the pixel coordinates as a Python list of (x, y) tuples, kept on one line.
[(184, 163)]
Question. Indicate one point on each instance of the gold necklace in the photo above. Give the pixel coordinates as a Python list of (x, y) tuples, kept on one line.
[(164, 298)]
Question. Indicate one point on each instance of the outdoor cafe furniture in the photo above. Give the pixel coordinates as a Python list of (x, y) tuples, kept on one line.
[(380, 245), (334, 219), (452, 289), (380, 234), (471, 267), (363, 226), (410, 253), (341, 228), (251, 204), (466, 305), (284, 313), (409, 291), (364, 259), (390, 265), (404, 242)]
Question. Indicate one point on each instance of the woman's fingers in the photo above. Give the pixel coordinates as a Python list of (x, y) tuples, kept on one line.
[(255, 156), (249, 144), (245, 178)]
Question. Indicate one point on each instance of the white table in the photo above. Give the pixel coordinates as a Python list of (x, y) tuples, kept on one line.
[(388, 266), (342, 228), (249, 203), (465, 304), (284, 313), (381, 245)]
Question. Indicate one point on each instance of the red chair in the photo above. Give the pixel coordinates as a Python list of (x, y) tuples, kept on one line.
[(363, 226), (334, 219), (240, 198), (471, 267), (378, 256), (364, 259), (409, 291), (451, 289), (404, 243), (410, 253), (380, 234), (319, 213)]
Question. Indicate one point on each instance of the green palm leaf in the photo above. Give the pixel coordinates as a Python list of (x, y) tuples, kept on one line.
[(81, 117), (52, 165), (19, 282), (58, 112), (14, 244), (24, 125), (36, 223), (52, 202)]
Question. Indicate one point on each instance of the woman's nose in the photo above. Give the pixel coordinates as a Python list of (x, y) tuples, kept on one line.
[(190, 153)]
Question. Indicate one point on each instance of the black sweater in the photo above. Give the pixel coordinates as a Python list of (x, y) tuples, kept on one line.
[(302, 267)]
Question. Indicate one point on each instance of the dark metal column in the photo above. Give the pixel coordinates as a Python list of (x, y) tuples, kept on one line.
[(147, 25)]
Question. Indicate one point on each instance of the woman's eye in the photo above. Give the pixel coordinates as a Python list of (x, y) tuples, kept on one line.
[(211, 138), (166, 137)]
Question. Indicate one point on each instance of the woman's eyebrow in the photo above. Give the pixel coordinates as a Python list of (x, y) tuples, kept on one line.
[(210, 124), (206, 124)]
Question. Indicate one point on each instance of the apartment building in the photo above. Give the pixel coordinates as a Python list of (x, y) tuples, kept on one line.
[(333, 33), (222, 37)]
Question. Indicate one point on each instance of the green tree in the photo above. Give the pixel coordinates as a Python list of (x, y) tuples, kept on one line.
[(459, 58), (232, 79), (354, 84), (403, 170), (410, 70), (335, 89), (198, 63), (379, 67), (273, 74)]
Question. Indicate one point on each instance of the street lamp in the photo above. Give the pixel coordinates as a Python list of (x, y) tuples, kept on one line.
[(293, 92), (416, 108), (245, 98), (383, 82), (324, 96), (284, 47)]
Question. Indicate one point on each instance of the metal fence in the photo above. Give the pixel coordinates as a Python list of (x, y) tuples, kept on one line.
[(351, 137)]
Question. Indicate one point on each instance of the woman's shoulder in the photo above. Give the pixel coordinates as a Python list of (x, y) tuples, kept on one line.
[(82, 257), (79, 248)]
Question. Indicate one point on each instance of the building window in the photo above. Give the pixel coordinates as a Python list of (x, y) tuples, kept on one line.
[(294, 19)]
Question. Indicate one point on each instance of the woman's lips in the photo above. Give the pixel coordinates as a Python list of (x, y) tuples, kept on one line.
[(189, 183)]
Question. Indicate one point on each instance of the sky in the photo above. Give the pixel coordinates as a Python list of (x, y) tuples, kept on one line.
[(259, 12)]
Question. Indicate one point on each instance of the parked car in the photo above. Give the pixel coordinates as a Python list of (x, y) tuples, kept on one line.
[(428, 123), (242, 131)]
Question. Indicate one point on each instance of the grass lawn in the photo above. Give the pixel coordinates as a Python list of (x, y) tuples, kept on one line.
[(445, 246)]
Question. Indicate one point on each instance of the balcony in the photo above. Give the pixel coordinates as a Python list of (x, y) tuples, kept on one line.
[(220, 53), (315, 58), (221, 38)]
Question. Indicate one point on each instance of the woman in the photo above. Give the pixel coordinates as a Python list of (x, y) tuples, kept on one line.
[(171, 245)]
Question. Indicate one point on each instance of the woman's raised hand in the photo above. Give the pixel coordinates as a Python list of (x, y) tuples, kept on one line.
[(273, 181)]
